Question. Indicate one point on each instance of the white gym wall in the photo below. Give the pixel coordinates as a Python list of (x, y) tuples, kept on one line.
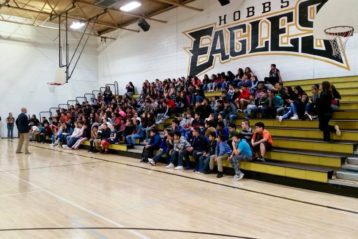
[(28, 60), (159, 53)]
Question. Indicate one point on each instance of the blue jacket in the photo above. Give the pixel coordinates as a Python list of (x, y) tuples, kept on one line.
[(224, 132), (223, 148), (155, 141)]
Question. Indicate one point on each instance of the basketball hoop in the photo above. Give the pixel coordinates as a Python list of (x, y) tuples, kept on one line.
[(340, 36), (52, 86)]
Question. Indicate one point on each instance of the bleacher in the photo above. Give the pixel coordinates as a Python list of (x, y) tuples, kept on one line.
[(300, 157)]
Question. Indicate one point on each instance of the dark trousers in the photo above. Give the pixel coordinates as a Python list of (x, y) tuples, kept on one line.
[(325, 127), (186, 157), (148, 152), (10, 131)]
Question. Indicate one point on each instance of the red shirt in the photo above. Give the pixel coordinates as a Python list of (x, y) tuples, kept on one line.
[(171, 103), (245, 94)]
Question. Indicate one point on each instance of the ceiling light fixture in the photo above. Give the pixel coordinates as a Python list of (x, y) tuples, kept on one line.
[(130, 6), (76, 25)]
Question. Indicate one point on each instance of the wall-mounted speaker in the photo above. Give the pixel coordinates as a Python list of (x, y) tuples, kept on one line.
[(224, 2), (143, 24)]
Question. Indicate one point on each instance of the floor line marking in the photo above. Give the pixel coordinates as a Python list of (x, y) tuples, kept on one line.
[(138, 234), (214, 183)]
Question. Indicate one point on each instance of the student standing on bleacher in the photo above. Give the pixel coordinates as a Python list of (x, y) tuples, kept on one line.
[(325, 112)]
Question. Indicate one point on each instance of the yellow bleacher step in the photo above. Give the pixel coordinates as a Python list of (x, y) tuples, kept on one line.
[(325, 160), (312, 145), (348, 95), (343, 124), (284, 171), (116, 147), (345, 115), (334, 80), (312, 134), (349, 105)]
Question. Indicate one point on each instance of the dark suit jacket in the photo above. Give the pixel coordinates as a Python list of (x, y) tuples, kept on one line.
[(22, 123)]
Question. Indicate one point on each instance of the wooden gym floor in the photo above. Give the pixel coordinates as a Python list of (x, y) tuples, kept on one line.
[(65, 194)]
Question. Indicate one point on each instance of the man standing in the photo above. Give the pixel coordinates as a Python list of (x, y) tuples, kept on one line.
[(22, 123)]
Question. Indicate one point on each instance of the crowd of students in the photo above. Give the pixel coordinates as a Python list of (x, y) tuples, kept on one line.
[(213, 143), (203, 129)]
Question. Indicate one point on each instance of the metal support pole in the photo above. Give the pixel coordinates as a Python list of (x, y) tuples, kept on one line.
[(67, 50)]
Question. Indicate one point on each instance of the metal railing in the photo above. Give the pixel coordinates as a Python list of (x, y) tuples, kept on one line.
[(93, 98), (81, 98), (116, 88), (95, 92), (69, 102), (53, 108), (60, 106), (45, 112)]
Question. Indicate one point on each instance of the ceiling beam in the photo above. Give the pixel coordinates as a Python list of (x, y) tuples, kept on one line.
[(179, 5), (123, 13), (52, 28), (71, 17)]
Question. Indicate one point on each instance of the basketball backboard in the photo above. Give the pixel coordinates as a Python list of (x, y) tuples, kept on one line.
[(335, 13), (60, 77)]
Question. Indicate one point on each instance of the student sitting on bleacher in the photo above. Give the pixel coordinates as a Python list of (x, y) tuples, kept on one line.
[(297, 105), (274, 77), (198, 146), (86, 134), (136, 134), (222, 130), (275, 103), (246, 131), (336, 98), (176, 128), (311, 107), (229, 112), (151, 146), (106, 137), (222, 152), (261, 141), (244, 97), (180, 146), (165, 149), (232, 130), (95, 140), (241, 151), (77, 133), (148, 123), (62, 135), (209, 152), (55, 129)]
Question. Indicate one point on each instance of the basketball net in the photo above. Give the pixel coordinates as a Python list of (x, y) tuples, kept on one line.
[(52, 86), (341, 35)]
